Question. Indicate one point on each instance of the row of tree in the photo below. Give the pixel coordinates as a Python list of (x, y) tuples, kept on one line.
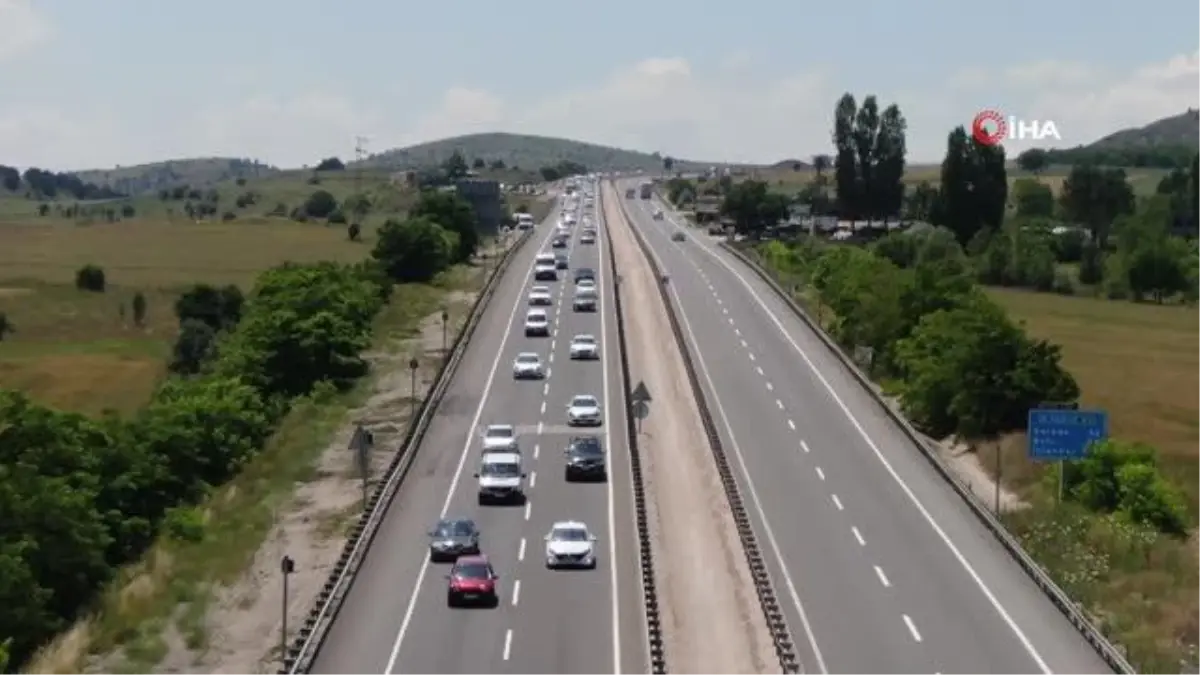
[(1164, 156), (960, 364), (43, 184), (81, 497)]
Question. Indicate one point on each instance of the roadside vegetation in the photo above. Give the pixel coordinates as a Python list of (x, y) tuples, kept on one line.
[(1008, 295), (170, 365)]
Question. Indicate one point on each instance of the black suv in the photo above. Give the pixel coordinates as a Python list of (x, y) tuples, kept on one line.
[(585, 459), (584, 273)]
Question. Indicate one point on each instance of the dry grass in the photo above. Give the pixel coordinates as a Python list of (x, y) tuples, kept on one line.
[(1139, 362), (786, 180)]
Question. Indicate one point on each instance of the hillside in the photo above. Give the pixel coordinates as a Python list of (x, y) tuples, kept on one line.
[(520, 150), (197, 172), (1163, 144), (1181, 129)]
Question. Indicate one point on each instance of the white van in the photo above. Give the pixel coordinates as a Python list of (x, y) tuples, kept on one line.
[(524, 221), (545, 268), (501, 478)]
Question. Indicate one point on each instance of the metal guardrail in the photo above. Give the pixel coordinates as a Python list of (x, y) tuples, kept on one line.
[(654, 632), (1070, 609), (785, 648), (313, 631)]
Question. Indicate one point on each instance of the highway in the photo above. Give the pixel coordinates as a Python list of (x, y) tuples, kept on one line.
[(877, 562), (395, 618)]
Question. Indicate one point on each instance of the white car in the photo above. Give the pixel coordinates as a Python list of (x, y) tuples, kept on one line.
[(528, 366), (584, 348), (537, 324), (587, 285), (570, 544), (587, 238), (584, 300), (584, 411), (499, 438), (540, 296)]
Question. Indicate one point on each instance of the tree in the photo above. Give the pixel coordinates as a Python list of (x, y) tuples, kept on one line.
[(454, 214), (6, 326), (974, 189), (193, 347), (753, 207), (455, 166), (478, 163), (320, 204), (218, 308), (90, 278), (866, 129), (668, 163), (921, 202), (1033, 160), (1095, 197), (888, 158), (138, 305), (1033, 198), (497, 165), (820, 200), (353, 232), (413, 250), (330, 164), (845, 161)]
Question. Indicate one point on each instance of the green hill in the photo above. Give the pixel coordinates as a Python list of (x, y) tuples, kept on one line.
[(1181, 129), (520, 150), (197, 172), (1163, 144)]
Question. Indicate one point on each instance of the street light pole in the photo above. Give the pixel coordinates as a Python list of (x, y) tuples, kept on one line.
[(445, 320), (287, 566), (412, 368)]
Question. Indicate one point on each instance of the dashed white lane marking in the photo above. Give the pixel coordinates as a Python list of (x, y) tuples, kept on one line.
[(779, 403), (791, 425), (548, 372), (804, 446), (738, 332), (532, 479), (858, 536), (521, 550), (528, 508), (820, 473), (838, 503), (718, 299), (731, 321), (552, 344), (882, 577), (744, 344), (912, 628), (507, 644), (752, 357), (517, 591), (725, 310), (541, 425), (537, 448), (760, 370), (544, 392), (551, 357)]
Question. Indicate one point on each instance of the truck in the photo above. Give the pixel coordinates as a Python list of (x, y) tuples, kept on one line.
[(646, 188)]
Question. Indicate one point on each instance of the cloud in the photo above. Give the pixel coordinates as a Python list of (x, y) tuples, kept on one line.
[(730, 111), (21, 28)]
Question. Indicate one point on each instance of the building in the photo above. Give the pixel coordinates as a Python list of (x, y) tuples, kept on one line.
[(483, 196)]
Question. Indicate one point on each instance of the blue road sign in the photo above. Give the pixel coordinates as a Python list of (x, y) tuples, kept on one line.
[(1064, 434)]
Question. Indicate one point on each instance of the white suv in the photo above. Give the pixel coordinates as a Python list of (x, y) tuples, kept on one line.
[(499, 438)]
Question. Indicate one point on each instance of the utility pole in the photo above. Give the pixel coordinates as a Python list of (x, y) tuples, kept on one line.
[(360, 154)]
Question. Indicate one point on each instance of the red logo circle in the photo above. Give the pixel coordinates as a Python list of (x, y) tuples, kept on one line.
[(989, 127)]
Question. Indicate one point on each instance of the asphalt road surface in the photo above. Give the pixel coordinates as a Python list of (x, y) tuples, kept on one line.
[(878, 563), (395, 618)]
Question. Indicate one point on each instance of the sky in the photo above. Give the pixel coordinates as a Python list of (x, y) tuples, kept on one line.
[(98, 83)]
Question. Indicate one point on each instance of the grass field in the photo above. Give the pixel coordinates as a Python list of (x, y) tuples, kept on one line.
[(1139, 362), (1143, 181), (76, 350)]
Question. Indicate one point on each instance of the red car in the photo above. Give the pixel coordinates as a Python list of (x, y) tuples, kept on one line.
[(472, 581)]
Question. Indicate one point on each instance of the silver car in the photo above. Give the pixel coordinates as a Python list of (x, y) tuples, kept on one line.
[(584, 348), (499, 438), (528, 366), (584, 411), (452, 537), (570, 544)]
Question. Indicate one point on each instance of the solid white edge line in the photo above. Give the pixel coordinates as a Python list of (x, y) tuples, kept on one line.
[(462, 461), (958, 555), (601, 218), (812, 640)]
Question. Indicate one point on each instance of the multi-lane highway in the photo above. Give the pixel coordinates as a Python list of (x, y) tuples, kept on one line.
[(878, 563), (395, 617)]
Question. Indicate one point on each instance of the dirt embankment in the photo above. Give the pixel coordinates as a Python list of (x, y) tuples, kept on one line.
[(711, 616)]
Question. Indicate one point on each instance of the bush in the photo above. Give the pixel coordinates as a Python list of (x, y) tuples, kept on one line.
[(320, 204), (337, 218), (413, 250), (1118, 477), (90, 278)]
